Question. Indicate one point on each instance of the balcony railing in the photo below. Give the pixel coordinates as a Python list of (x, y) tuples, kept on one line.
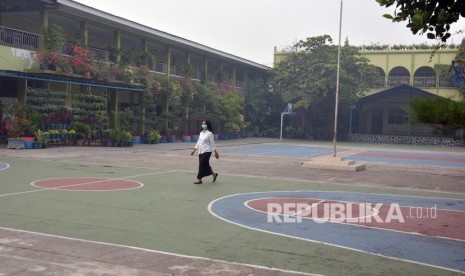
[(421, 82), (379, 81), (160, 67), (19, 39), (174, 70), (424, 81), (211, 78), (445, 82), (398, 80)]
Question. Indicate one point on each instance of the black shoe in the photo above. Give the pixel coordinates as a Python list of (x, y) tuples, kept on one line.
[(198, 182), (215, 176)]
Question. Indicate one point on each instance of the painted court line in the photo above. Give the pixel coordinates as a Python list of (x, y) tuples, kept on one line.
[(159, 252), (64, 186), (411, 158), (4, 166), (313, 205), (375, 212), (309, 240), (228, 208), (328, 181), (282, 151)]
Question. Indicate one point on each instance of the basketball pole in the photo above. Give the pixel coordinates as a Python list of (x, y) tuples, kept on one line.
[(337, 82)]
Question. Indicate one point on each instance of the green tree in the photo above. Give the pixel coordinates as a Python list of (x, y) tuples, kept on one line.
[(431, 17), (439, 111), (307, 78), (446, 113), (232, 118), (460, 67), (262, 107), (206, 105)]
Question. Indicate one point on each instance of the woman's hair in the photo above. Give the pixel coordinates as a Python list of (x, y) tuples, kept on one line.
[(209, 126)]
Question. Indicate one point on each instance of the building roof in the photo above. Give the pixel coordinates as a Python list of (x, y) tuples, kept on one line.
[(404, 89), (26, 5), (79, 9)]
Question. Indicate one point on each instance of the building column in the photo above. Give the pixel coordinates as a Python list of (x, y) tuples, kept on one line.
[(143, 43), (245, 79), (140, 98), (205, 69), (117, 44), (221, 75), (187, 63), (22, 90), (188, 57), (43, 25), (168, 61), (386, 70), (113, 105), (234, 77), (84, 33), (142, 125), (412, 70), (166, 104)]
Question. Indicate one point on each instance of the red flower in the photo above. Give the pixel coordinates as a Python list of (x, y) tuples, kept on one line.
[(48, 57), (82, 60)]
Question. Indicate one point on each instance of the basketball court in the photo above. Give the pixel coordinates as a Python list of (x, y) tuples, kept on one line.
[(135, 211)]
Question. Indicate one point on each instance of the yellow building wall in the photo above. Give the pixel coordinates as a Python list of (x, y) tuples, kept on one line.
[(410, 59)]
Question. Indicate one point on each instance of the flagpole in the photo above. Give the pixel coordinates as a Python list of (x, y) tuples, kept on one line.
[(337, 82)]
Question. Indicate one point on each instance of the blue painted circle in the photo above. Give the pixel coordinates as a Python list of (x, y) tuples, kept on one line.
[(434, 251), (4, 166)]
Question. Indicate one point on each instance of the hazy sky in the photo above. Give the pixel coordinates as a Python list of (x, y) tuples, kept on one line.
[(252, 28)]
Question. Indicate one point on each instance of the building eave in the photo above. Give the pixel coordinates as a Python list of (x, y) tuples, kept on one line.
[(105, 18)]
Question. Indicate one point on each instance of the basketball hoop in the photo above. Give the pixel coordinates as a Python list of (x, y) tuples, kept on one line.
[(287, 111), (458, 65)]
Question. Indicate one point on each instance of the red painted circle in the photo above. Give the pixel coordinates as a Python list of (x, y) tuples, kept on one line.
[(445, 223), (87, 184)]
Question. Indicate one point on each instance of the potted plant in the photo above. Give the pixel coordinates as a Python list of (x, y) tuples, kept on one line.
[(41, 139), (48, 60), (127, 139), (53, 46), (153, 137), (82, 61), (194, 138), (19, 128), (83, 130), (115, 136), (186, 138)]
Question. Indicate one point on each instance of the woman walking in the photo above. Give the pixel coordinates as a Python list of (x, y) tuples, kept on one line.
[(206, 146)]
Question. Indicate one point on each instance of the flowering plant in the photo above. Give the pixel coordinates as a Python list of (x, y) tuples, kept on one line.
[(82, 60), (48, 58), (129, 74)]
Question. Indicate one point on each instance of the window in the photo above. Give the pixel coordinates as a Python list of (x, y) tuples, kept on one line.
[(397, 117)]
